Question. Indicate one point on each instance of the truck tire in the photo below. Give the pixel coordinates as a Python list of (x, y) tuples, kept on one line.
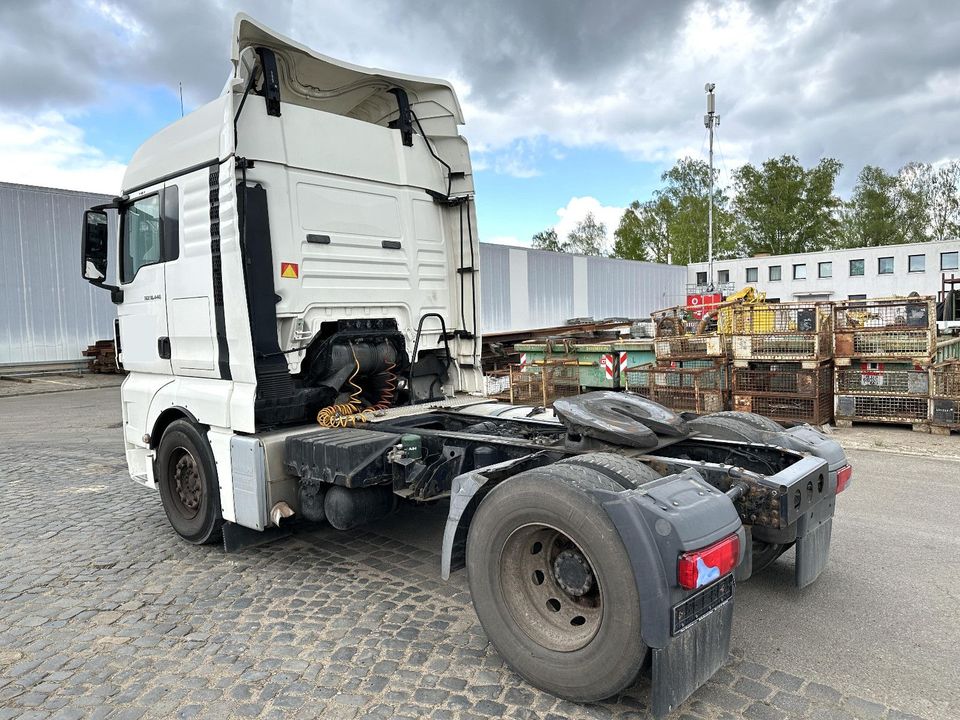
[(764, 554), (187, 478), (553, 586), (626, 472), (753, 419), (725, 428)]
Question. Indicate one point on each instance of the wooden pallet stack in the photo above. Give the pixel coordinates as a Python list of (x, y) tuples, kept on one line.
[(103, 357), (884, 350), (782, 361)]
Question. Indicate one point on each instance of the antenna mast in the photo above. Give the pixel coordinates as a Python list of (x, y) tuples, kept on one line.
[(710, 120)]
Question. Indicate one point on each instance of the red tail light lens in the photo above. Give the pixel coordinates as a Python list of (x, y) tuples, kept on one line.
[(701, 567), (843, 478)]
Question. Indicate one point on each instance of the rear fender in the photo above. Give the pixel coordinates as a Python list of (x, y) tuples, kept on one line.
[(466, 492)]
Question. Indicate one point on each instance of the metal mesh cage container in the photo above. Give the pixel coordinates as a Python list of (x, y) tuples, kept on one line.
[(783, 378), (684, 389), (681, 335), (785, 391), (816, 410), (537, 385), (782, 331), (882, 408), (945, 391), (883, 378), (885, 329)]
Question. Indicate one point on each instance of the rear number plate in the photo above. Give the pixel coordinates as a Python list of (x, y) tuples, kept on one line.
[(702, 604)]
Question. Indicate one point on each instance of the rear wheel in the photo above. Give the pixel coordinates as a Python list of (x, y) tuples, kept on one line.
[(553, 586), (764, 554), (626, 472), (187, 478), (752, 419)]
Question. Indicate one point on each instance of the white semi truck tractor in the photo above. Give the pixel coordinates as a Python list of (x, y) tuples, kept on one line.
[(296, 275)]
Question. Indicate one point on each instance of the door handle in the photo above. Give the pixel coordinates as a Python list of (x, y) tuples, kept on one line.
[(163, 348)]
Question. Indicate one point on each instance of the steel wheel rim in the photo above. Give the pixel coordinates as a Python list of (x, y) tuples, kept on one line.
[(550, 588), (186, 483)]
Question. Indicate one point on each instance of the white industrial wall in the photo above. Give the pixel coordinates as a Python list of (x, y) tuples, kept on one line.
[(48, 313), (841, 286), (522, 289)]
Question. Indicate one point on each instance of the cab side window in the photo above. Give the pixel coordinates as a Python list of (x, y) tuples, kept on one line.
[(141, 236), (150, 232)]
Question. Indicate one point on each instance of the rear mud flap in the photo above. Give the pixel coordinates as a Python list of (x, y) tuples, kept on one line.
[(813, 551), (690, 659)]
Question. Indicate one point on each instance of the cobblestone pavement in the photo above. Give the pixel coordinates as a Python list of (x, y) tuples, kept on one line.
[(104, 613)]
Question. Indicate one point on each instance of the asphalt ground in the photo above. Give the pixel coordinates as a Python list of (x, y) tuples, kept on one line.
[(105, 613)]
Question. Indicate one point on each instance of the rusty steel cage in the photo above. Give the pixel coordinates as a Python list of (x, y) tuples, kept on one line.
[(785, 391), (683, 389), (882, 408), (680, 334), (538, 385), (891, 328), (945, 395), (782, 331), (883, 378)]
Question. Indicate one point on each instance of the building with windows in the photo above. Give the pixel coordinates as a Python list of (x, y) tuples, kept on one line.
[(849, 274)]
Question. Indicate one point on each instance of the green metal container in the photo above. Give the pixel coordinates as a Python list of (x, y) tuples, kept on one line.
[(598, 362)]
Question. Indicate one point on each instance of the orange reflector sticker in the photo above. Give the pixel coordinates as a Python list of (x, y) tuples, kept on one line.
[(289, 270)]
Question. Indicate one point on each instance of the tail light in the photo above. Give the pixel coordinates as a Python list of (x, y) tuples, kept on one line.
[(843, 478), (701, 567)]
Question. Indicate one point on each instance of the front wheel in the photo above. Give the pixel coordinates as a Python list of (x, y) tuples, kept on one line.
[(187, 478), (553, 586)]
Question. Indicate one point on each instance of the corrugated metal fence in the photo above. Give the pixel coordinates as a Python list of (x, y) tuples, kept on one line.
[(47, 311), (523, 289)]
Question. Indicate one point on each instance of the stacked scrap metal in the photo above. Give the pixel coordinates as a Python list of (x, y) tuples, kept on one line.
[(782, 361), (883, 350), (945, 397)]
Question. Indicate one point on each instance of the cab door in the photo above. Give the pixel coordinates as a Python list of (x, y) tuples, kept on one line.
[(142, 312)]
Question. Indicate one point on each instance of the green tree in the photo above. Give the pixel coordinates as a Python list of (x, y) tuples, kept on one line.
[(672, 226), (587, 237), (781, 207), (548, 240), (687, 189), (644, 231), (935, 191), (886, 209)]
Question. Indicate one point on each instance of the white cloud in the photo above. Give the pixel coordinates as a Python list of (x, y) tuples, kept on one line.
[(576, 210), (48, 150)]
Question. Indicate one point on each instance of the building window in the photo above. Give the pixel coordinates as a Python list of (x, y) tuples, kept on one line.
[(752, 274), (825, 269), (949, 261), (856, 268), (917, 263), (885, 266), (701, 278), (800, 272), (723, 277), (856, 297), (774, 273)]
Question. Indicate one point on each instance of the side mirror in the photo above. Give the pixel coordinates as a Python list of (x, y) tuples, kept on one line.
[(93, 254)]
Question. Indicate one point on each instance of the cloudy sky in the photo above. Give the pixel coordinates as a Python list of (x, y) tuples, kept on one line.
[(570, 106)]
